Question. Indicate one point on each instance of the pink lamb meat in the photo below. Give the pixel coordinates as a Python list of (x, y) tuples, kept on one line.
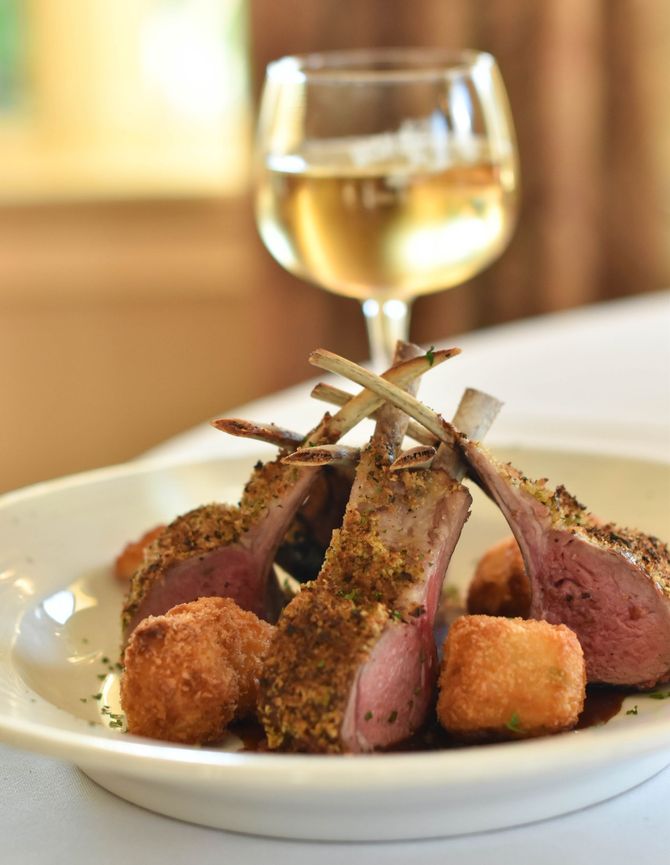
[(610, 585)]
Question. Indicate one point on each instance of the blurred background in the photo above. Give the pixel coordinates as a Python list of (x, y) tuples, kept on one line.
[(135, 296)]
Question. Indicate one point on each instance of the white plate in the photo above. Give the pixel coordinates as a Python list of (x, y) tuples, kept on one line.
[(59, 610)]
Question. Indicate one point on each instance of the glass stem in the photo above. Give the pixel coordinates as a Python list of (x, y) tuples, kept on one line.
[(387, 322)]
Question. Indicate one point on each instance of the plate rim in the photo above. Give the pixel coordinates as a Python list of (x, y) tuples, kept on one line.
[(493, 763)]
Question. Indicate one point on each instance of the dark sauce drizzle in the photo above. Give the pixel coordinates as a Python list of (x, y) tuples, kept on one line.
[(601, 705)]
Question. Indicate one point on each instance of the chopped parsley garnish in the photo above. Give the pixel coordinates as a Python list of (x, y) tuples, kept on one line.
[(514, 723), (430, 355), (397, 615), (393, 717), (659, 695), (368, 716), (115, 720), (632, 711)]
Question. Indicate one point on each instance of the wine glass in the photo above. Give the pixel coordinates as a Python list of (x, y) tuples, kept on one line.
[(385, 174)]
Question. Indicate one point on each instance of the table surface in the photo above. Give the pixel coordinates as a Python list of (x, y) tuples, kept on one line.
[(597, 377)]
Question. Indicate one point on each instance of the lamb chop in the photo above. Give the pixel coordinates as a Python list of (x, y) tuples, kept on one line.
[(301, 551), (227, 551), (352, 665), (610, 585)]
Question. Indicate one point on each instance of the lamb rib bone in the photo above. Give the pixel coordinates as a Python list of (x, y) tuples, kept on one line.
[(419, 457), (222, 550), (322, 455), (318, 455), (333, 427), (610, 585), (263, 432), (336, 396), (481, 407), (291, 440), (352, 666), (476, 412)]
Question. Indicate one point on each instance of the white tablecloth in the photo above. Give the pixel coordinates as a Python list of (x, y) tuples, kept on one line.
[(597, 377)]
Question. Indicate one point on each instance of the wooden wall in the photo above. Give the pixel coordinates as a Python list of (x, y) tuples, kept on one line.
[(123, 324)]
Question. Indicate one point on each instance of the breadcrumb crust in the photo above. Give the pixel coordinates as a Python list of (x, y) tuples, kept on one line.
[(328, 630), (207, 528)]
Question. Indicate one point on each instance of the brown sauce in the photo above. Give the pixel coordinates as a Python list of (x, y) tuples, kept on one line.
[(601, 705), (252, 735)]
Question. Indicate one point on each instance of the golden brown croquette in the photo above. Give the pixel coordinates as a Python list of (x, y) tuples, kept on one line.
[(509, 678), (189, 673), (500, 586)]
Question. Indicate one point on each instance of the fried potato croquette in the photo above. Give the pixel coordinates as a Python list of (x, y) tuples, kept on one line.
[(500, 586), (509, 679), (132, 556), (189, 673)]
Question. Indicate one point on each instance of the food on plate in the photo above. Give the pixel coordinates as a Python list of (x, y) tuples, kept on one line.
[(610, 585), (228, 551), (352, 665), (509, 678), (132, 555), (500, 584), (189, 673)]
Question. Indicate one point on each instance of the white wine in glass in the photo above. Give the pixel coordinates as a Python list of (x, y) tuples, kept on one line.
[(385, 174)]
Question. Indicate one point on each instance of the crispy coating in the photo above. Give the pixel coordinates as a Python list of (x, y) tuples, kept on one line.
[(189, 673), (132, 556), (510, 678), (207, 528), (197, 532), (500, 586), (322, 638)]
